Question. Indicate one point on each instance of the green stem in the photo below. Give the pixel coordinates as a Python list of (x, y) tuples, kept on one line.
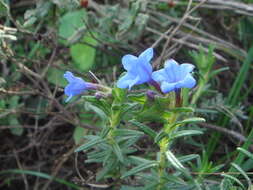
[(99, 87), (162, 162), (114, 121), (164, 145), (200, 89)]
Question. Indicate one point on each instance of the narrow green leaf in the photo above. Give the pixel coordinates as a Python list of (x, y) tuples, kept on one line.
[(174, 161), (234, 179), (127, 132), (127, 108), (247, 153), (139, 98), (100, 103), (42, 175), (140, 168), (187, 158), (109, 165), (139, 160), (217, 71), (119, 95), (98, 111), (118, 152), (98, 155), (147, 130), (105, 131), (190, 121), (240, 79), (90, 144), (160, 136), (182, 109), (238, 168), (183, 133)]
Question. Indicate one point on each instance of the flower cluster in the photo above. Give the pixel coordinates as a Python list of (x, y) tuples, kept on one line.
[(139, 70), (171, 78)]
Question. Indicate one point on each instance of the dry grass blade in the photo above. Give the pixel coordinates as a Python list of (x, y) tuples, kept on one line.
[(237, 7)]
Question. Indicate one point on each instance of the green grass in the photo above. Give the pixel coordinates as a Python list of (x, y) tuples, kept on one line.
[(232, 100), (41, 175)]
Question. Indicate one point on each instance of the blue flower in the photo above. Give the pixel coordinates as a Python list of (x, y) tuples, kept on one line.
[(174, 76), (76, 85), (138, 69)]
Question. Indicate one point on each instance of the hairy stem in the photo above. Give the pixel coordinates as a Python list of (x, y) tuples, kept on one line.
[(164, 145)]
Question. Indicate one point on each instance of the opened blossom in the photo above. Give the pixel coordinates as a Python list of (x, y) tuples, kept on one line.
[(76, 85), (174, 76), (139, 69)]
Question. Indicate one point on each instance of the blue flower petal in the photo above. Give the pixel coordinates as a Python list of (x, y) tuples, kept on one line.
[(144, 59), (127, 81), (144, 73), (184, 69), (167, 87), (188, 82), (133, 82), (147, 54), (76, 85), (172, 70), (75, 88), (187, 67), (171, 62), (67, 90), (174, 76), (123, 82), (129, 62), (160, 75), (69, 76), (139, 69)]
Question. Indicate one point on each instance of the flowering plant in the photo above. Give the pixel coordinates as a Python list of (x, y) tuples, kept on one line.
[(114, 145)]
